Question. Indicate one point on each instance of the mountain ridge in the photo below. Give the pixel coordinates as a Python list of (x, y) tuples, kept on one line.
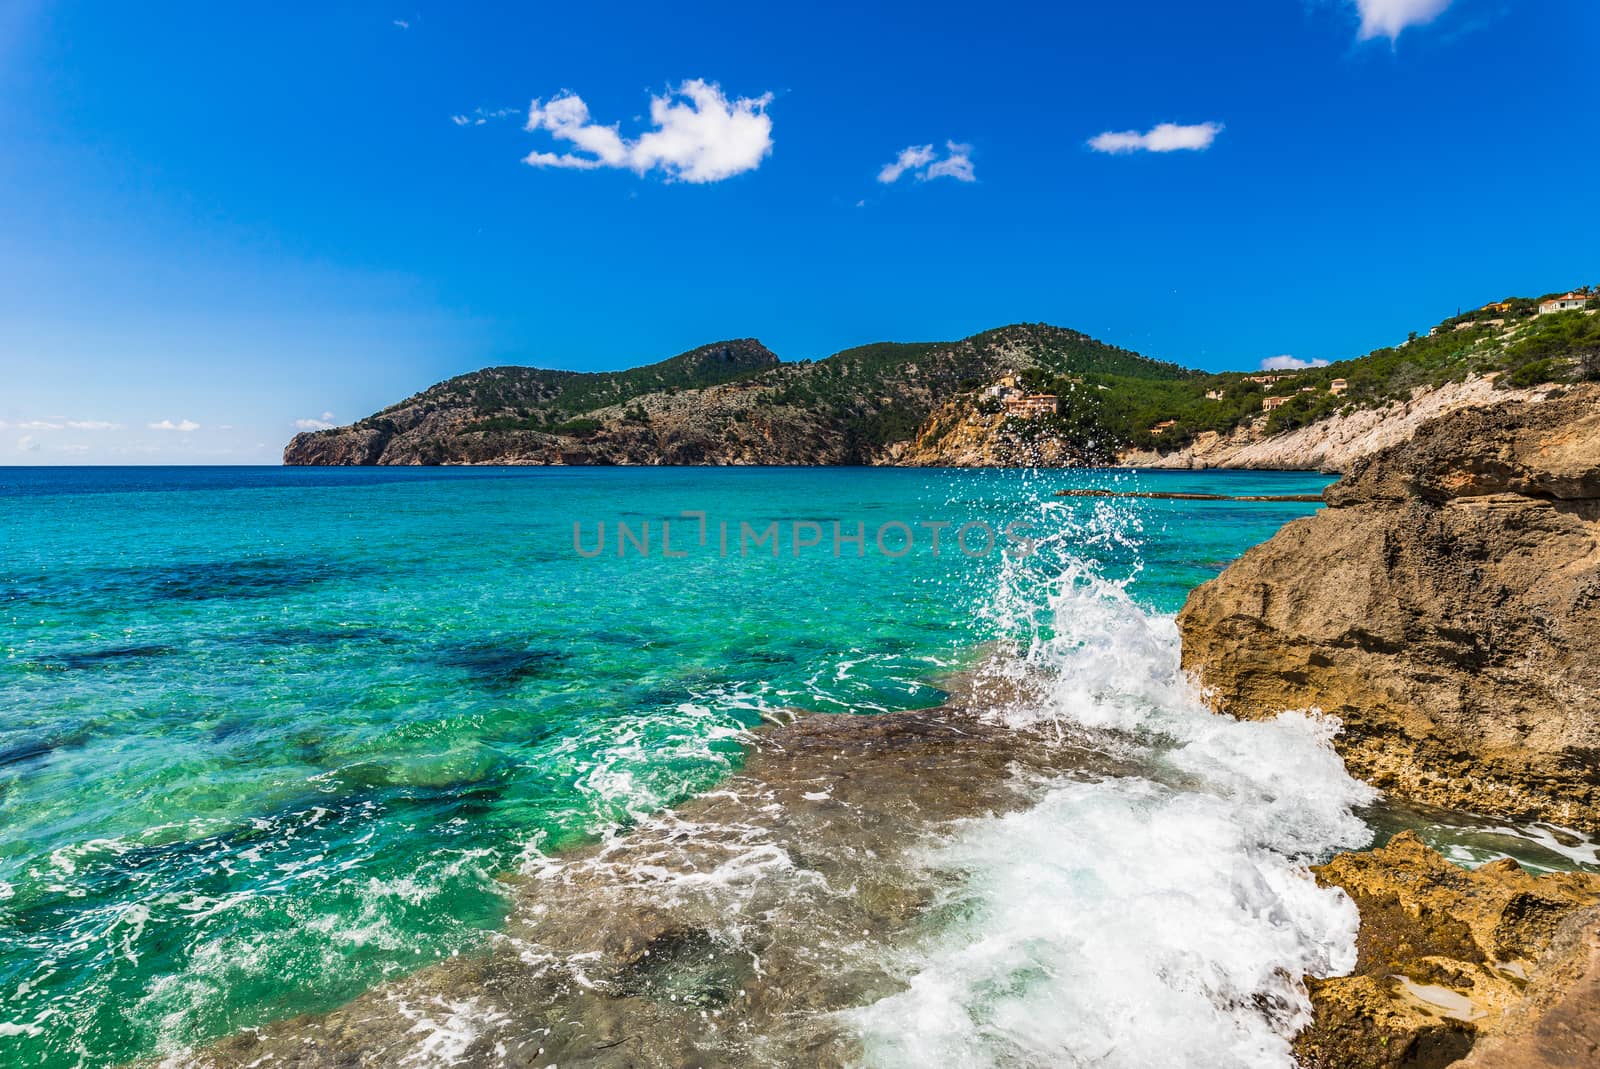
[(925, 404), (729, 402)]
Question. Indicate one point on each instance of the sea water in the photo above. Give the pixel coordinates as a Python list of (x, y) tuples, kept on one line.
[(270, 737)]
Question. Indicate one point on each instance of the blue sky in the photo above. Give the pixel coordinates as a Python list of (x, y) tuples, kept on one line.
[(218, 221)]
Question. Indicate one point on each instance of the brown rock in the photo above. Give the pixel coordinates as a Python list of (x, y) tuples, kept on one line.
[(1444, 961), (1446, 609)]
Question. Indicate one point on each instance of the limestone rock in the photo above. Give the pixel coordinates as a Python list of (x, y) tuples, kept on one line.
[(1446, 608), (1332, 444), (1444, 961)]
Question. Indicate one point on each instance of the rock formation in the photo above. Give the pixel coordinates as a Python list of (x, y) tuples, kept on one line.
[(1446, 608), (729, 403), (1333, 444), (1495, 962)]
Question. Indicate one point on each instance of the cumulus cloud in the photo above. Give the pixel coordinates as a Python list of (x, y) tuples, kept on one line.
[(1386, 18), (27, 445), (698, 135), (184, 425), (1289, 363), (92, 425), (924, 162), (322, 423), (1164, 137)]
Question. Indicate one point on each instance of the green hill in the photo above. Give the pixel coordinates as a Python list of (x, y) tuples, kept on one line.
[(735, 402)]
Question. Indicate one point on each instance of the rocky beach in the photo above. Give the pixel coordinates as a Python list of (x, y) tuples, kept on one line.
[(800, 536), (1440, 609), (1444, 608)]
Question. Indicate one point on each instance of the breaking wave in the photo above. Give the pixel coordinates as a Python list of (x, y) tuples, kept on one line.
[(1161, 918)]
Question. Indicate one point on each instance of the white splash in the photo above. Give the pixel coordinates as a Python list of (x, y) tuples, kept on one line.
[(1160, 919)]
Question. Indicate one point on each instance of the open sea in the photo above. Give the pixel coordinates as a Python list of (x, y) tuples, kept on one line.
[(271, 739)]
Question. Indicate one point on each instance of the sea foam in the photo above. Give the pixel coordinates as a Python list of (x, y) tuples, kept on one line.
[(1165, 918)]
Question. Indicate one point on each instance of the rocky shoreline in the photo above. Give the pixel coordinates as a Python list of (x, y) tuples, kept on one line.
[(1449, 959), (1334, 444), (721, 933), (1446, 607)]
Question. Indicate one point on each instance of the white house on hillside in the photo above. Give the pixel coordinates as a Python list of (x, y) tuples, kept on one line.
[(1565, 302)]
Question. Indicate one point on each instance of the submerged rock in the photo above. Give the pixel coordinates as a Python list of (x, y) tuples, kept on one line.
[(1445, 958), (1446, 608), (730, 931)]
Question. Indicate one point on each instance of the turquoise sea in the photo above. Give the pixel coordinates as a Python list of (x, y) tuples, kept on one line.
[(271, 736)]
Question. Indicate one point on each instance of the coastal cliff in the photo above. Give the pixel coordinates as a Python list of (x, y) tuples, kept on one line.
[(1446, 607), (1025, 395), (730, 403), (1334, 443)]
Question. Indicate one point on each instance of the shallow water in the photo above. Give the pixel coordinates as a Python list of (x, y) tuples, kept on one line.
[(274, 738)]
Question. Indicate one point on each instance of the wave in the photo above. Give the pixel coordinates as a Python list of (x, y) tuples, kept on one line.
[(1072, 862), (1161, 918)]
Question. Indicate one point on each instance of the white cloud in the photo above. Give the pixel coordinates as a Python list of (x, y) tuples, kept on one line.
[(910, 159), (1386, 18), (1289, 363), (184, 425), (698, 136), (480, 116), (66, 425), (1165, 137), (403, 24), (27, 444), (323, 423), (923, 162)]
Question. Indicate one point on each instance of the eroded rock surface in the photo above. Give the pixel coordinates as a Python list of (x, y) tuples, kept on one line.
[(1453, 962), (1446, 607), (1333, 444)]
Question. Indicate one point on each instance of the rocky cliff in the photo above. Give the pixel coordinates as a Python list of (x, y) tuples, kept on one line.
[(728, 403), (1333, 444), (929, 403), (1446, 607), (962, 435)]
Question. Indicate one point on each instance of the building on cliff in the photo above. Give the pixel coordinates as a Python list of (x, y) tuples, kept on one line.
[(1003, 390), (1270, 403), (1338, 387), (1033, 405)]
